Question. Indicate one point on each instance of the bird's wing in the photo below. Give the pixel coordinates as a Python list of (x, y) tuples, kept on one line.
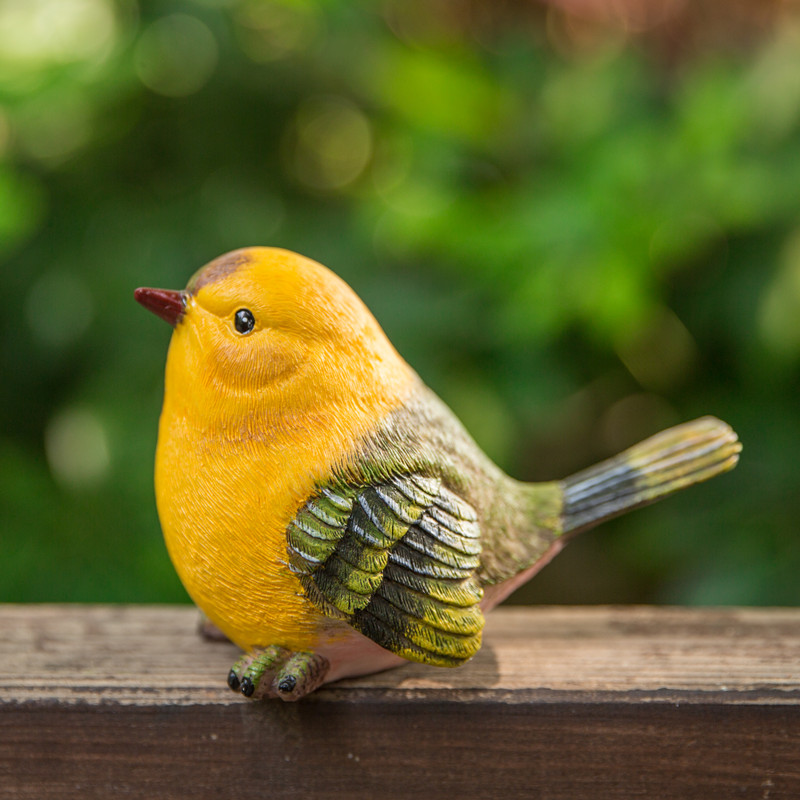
[(397, 560)]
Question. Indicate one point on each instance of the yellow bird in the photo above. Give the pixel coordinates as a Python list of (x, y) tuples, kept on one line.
[(325, 509)]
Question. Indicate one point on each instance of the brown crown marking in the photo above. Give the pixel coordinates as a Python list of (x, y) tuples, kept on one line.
[(217, 269)]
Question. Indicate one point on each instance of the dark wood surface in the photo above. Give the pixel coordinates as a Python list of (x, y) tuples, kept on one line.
[(112, 701)]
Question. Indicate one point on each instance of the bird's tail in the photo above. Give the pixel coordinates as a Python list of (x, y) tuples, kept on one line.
[(663, 464)]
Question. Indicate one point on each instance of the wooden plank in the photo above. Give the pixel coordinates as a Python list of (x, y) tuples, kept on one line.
[(100, 701)]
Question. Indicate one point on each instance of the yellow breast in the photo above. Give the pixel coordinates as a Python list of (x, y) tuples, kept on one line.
[(224, 508), (235, 461)]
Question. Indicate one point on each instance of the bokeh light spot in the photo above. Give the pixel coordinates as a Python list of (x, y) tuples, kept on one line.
[(331, 143), (77, 449), (636, 17), (271, 31), (52, 128), (774, 83), (779, 311), (661, 353), (580, 36), (53, 31), (176, 55)]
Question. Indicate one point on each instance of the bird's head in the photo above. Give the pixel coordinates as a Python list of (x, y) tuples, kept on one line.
[(264, 330)]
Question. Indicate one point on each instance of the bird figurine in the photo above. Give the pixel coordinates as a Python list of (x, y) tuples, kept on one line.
[(325, 509)]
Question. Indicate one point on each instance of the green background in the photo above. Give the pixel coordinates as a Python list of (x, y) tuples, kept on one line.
[(578, 229)]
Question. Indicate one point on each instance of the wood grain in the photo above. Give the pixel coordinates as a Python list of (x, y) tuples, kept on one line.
[(106, 701)]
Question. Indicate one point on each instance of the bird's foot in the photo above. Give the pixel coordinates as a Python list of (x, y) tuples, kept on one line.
[(278, 672)]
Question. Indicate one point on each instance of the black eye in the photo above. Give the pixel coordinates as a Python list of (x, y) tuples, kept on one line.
[(244, 321)]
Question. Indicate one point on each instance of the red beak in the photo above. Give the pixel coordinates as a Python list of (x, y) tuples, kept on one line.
[(165, 303)]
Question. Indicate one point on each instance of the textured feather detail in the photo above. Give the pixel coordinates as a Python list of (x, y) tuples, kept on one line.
[(371, 559), (431, 640), (447, 592), (663, 464), (464, 620), (399, 505), (419, 539), (341, 502), (464, 537), (397, 559), (337, 594), (419, 489), (452, 505), (423, 565), (356, 580), (316, 528), (372, 625)]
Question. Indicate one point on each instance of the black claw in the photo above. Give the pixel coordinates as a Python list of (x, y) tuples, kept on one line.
[(247, 687), (233, 680), (287, 684)]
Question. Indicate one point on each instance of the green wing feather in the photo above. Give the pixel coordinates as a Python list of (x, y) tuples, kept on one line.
[(397, 560)]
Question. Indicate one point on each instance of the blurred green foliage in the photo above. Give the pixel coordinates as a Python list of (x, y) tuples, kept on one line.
[(574, 241)]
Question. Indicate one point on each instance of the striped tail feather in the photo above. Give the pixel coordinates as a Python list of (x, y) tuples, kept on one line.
[(657, 467)]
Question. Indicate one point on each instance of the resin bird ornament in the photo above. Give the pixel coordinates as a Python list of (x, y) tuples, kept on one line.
[(325, 510)]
